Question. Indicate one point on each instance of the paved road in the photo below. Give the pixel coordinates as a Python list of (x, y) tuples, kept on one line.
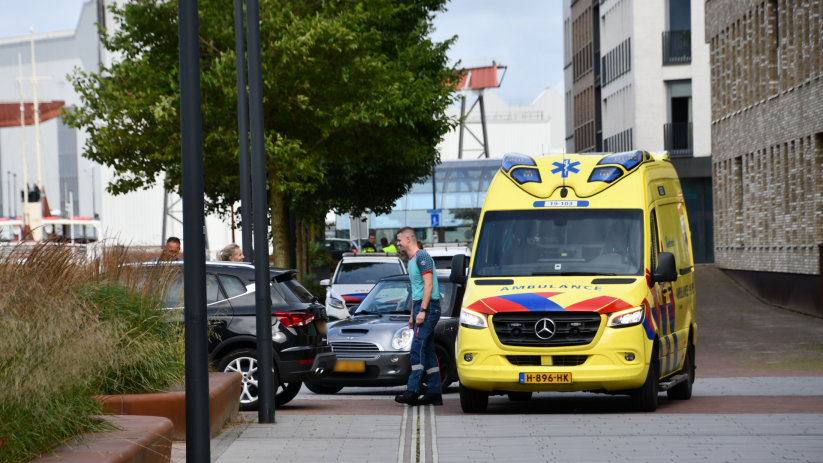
[(758, 397)]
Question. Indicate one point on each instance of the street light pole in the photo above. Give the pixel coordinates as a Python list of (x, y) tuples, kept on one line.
[(13, 197)]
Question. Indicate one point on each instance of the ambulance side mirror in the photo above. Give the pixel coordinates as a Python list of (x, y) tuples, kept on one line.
[(459, 269), (666, 268)]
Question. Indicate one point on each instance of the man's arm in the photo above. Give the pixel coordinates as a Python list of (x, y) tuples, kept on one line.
[(427, 295)]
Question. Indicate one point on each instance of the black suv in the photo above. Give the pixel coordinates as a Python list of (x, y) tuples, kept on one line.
[(299, 335)]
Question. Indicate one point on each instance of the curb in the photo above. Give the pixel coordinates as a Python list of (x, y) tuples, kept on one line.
[(141, 439)]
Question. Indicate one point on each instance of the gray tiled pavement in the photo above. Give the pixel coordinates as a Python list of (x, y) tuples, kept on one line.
[(538, 437)]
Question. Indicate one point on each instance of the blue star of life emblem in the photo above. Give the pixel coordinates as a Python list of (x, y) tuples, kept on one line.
[(566, 167)]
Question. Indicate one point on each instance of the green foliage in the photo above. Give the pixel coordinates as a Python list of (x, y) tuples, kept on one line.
[(154, 347), (69, 334), (354, 100)]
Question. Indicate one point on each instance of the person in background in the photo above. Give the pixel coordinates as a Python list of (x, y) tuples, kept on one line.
[(170, 251), (231, 253), (370, 245), (386, 246), (425, 315)]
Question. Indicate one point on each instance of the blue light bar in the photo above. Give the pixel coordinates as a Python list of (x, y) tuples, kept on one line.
[(628, 160), (510, 160), (605, 174), (525, 175)]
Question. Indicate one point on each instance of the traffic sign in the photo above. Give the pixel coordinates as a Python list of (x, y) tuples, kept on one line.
[(435, 220)]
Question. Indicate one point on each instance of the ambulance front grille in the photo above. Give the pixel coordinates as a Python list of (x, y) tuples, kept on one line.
[(555, 360), (564, 328)]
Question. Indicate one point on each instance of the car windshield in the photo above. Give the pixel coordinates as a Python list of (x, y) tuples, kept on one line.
[(338, 245), (394, 297), (560, 242), (366, 272)]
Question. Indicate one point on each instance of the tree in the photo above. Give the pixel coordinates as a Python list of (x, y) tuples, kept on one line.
[(355, 94)]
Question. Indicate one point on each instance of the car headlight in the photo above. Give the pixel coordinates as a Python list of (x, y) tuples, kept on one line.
[(402, 339), (472, 319), (335, 303), (628, 317)]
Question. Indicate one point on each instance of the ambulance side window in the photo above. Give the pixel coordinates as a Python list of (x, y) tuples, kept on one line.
[(674, 236), (653, 242)]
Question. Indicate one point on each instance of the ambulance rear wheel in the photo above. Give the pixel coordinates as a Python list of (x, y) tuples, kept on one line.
[(473, 401), (644, 398), (683, 391)]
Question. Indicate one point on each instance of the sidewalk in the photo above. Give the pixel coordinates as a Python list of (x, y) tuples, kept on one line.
[(758, 396), (443, 434)]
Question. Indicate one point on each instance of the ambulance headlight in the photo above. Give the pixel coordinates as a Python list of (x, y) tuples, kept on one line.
[(472, 319), (402, 339), (628, 317)]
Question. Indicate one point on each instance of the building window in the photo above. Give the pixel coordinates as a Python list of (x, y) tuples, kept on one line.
[(617, 62), (619, 142), (677, 132), (677, 39)]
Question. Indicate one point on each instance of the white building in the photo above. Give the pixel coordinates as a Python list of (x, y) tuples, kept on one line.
[(637, 77), (534, 129), (74, 185)]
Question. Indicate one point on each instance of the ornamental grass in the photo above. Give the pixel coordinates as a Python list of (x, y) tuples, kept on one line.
[(74, 327)]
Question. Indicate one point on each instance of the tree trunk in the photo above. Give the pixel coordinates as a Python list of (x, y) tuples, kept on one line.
[(279, 230), (300, 249)]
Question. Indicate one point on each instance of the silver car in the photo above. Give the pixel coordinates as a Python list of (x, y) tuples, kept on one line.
[(372, 347)]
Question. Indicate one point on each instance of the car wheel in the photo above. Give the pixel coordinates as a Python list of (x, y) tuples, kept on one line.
[(323, 388), (473, 401), (244, 361), (644, 398), (520, 396), (286, 392), (683, 391), (444, 363)]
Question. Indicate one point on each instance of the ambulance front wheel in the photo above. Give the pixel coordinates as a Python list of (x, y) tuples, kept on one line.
[(683, 391), (644, 398), (473, 401)]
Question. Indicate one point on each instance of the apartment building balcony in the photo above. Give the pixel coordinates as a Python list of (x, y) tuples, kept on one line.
[(677, 47), (678, 139)]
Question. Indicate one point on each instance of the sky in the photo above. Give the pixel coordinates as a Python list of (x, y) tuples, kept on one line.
[(524, 35)]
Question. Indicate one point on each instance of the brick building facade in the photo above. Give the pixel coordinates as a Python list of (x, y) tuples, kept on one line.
[(767, 145)]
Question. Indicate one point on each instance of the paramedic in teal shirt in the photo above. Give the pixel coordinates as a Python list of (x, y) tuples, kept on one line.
[(424, 317)]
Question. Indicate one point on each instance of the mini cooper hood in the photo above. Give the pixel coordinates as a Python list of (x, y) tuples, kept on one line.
[(556, 294), (369, 320)]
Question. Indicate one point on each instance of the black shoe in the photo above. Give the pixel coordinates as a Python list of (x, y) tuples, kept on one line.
[(407, 397), (431, 399)]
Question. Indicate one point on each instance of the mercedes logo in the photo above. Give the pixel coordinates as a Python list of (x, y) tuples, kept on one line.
[(544, 328)]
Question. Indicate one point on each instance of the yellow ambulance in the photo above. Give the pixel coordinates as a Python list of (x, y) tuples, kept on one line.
[(581, 279)]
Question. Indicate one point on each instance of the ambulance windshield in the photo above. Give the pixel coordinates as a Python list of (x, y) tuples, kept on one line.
[(560, 242)]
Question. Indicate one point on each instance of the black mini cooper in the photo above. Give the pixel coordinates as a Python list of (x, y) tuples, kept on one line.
[(300, 345)]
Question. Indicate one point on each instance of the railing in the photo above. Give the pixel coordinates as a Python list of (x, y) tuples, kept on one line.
[(677, 47), (677, 138)]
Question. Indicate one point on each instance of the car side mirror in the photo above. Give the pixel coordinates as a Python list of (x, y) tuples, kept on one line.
[(459, 266), (353, 309), (666, 269), (324, 282)]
